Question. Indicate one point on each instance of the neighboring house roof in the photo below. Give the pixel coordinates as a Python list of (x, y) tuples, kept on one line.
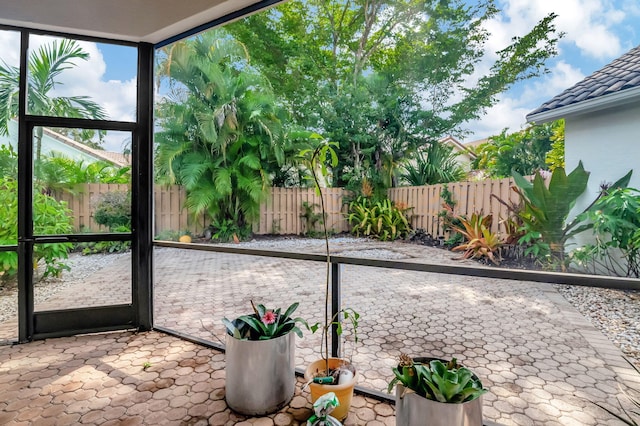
[(115, 158), (67, 147), (474, 144), (458, 146), (616, 84)]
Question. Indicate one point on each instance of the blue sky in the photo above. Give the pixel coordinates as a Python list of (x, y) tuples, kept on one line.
[(597, 32)]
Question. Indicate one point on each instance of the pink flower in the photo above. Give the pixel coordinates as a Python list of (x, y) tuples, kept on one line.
[(269, 317)]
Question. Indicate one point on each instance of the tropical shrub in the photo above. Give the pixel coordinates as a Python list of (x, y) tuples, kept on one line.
[(57, 172), (107, 246), (50, 217), (221, 128), (546, 210), (524, 151), (311, 218), (226, 230), (435, 164), (379, 219), (8, 161), (480, 242), (615, 222), (449, 220), (555, 157), (113, 210)]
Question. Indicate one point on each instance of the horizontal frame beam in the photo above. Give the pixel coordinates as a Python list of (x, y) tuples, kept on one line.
[(619, 283)]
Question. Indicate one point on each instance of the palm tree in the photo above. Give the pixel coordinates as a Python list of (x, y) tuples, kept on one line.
[(44, 67), (221, 129)]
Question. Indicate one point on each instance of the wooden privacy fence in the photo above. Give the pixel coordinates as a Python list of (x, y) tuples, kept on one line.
[(168, 213), (470, 197), (282, 212)]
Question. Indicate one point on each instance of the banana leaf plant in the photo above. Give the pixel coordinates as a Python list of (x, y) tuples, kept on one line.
[(546, 208)]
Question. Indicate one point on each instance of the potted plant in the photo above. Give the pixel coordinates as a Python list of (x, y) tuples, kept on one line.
[(434, 392), (329, 374), (260, 359)]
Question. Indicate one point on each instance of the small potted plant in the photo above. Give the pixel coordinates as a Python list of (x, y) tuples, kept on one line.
[(434, 392), (329, 374), (260, 359)]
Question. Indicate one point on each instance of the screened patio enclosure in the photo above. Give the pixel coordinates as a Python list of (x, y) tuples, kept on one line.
[(142, 25)]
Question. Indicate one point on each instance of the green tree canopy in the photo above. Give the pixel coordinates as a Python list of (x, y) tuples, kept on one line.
[(380, 77), (525, 151)]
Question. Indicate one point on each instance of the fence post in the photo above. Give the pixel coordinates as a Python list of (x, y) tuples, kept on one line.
[(335, 309)]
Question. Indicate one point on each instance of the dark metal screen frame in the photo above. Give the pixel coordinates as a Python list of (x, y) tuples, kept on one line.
[(44, 324), (336, 302)]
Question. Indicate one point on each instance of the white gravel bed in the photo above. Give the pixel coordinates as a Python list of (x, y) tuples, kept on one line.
[(614, 312), (81, 268)]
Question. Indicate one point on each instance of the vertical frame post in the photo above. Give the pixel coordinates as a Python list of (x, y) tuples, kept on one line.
[(25, 204), (142, 192), (336, 303)]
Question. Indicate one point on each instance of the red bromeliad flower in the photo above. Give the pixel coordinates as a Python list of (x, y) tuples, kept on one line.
[(269, 317)]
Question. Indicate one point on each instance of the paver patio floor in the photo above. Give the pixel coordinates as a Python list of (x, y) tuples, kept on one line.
[(542, 362)]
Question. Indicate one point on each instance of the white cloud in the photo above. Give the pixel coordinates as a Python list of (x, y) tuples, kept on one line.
[(10, 48), (562, 76), (507, 113), (589, 24), (511, 113), (86, 78)]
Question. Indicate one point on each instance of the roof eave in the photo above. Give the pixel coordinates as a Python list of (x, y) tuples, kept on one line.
[(591, 105)]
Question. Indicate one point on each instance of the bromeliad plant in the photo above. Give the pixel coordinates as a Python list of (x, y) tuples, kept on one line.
[(437, 381), (265, 324), (480, 242)]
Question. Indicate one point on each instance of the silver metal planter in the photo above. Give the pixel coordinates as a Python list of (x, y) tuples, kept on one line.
[(260, 374), (415, 410)]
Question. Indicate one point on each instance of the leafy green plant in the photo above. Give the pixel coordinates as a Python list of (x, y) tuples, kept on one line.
[(317, 161), (480, 242), (50, 217), (226, 230), (437, 381), (523, 151), (221, 129), (107, 246), (264, 324), (449, 220), (311, 218), (435, 164), (615, 223), (113, 209), (381, 219), (546, 209), (168, 235), (555, 157)]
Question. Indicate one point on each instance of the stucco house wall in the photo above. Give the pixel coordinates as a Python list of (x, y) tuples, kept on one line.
[(608, 143), (602, 127)]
